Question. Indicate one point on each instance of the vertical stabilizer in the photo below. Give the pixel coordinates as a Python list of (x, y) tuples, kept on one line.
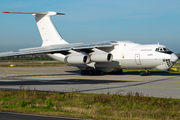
[(48, 32)]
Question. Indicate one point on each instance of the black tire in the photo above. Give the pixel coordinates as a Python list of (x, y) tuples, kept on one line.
[(143, 73), (83, 72), (98, 72), (148, 73), (90, 72), (120, 72)]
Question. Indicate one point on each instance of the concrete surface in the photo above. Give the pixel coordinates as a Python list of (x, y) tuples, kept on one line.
[(67, 79)]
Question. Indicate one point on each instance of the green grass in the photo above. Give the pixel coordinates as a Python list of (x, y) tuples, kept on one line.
[(94, 106), (177, 64), (30, 64), (154, 70)]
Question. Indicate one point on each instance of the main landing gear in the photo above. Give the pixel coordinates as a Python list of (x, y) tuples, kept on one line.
[(120, 72), (145, 73), (91, 72), (98, 72)]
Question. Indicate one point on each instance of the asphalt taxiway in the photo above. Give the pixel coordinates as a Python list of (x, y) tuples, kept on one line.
[(67, 79), (20, 116)]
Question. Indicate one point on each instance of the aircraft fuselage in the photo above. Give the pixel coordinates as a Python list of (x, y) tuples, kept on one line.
[(129, 55)]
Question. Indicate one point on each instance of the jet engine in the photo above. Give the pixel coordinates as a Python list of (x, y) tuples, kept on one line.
[(77, 59), (101, 57)]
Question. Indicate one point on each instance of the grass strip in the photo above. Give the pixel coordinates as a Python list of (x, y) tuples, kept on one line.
[(94, 106), (30, 64)]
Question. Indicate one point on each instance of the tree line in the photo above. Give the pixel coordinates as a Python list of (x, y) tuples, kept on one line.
[(28, 57), (178, 55)]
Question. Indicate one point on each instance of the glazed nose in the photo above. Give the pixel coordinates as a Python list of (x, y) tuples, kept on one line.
[(173, 57)]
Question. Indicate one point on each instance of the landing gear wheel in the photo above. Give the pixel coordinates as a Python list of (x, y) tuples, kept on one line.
[(98, 72), (145, 73), (83, 72), (120, 72), (91, 72), (148, 73)]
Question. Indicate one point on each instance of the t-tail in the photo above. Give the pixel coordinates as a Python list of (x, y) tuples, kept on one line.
[(48, 31)]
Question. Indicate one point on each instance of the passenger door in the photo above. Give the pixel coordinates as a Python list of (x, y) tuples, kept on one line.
[(137, 59)]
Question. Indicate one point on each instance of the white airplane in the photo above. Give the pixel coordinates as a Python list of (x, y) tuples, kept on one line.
[(96, 58)]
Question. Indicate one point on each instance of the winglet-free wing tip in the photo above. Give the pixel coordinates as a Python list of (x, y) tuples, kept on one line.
[(5, 12), (60, 13)]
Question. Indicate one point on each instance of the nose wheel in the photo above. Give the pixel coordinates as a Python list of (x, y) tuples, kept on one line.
[(145, 73)]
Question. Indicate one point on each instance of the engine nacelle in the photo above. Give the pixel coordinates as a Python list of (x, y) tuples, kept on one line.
[(101, 57), (77, 59)]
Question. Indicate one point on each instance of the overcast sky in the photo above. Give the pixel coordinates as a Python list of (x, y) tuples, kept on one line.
[(87, 21)]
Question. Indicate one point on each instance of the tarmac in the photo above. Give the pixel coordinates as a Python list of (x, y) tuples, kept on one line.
[(21, 116), (68, 79)]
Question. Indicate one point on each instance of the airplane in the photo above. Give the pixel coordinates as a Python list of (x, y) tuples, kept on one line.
[(96, 58)]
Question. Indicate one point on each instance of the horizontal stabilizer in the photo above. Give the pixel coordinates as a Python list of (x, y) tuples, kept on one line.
[(40, 13)]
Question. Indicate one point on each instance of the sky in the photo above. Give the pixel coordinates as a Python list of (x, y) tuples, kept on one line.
[(91, 21)]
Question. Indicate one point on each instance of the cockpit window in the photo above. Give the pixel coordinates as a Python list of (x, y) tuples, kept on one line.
[(163, 50)]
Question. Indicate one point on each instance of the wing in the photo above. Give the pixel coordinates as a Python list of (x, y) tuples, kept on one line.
[(63, 49)]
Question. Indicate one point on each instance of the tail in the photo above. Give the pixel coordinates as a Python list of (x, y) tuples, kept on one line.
[(48, 32)]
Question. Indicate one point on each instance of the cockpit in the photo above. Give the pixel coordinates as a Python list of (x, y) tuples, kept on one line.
[(164, 50)]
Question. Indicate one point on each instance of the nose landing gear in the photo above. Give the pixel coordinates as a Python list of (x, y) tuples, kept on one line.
[(145, 73)]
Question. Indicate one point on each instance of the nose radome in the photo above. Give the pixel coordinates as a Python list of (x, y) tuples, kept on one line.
[(173, 57)]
